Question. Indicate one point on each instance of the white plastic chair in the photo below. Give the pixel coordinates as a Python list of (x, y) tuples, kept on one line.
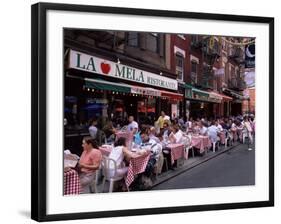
[(159, 165), (226, 138), (186, 140), (229, 138), (244, 135), (214, 145), (109, 173)]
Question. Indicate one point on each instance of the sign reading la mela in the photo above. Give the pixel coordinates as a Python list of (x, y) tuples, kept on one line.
[(85, 62)]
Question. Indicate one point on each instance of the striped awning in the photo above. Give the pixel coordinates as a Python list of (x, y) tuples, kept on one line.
[(100, 84), (104, 85)]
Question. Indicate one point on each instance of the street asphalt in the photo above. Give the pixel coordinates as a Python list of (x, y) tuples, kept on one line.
[(233, 168)]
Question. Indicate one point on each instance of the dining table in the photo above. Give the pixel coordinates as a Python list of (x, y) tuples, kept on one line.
[(71, 182), (177, 151), (137, 165), (201, 142)]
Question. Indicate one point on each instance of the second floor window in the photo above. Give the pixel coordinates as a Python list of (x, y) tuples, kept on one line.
[(193, 72), (133, 39), (152, 42), (194, 39), (179, 66)]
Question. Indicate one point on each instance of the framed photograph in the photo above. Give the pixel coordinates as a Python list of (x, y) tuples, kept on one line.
[(140, 111)]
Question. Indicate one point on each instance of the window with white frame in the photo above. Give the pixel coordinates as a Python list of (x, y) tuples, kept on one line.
[(193, 74), (179, 66)]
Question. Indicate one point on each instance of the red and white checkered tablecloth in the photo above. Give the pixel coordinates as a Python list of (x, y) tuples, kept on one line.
[(201, 142), (71, 183), (136, 166), (177, 151), (127, 135)]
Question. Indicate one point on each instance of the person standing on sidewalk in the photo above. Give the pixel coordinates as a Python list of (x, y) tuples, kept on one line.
[(248, 129)]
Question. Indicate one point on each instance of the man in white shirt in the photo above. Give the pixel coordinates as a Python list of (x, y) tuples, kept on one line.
[(133, 125), (155, 150), (203, 129), (213, 132), (219, 126)]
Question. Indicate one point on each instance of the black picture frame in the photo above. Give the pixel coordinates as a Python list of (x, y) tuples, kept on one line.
[(39, 114)]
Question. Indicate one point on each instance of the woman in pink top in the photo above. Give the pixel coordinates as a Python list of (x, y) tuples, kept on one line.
[(89, 162)]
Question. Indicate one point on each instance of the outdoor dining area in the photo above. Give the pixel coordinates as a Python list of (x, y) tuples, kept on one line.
[(136, 156)]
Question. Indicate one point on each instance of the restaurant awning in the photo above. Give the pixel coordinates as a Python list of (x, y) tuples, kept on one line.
[(234, 94), (200, 92), (215, 97), (125, 88), (196, 94), (188, 86), (225, 97), (104, 85), (145, 91), (120, 87), (171, 95)]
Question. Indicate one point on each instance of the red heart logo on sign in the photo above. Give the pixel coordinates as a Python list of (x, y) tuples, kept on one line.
[(105, 67)]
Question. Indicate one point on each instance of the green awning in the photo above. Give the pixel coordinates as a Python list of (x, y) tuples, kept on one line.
[(107, 86), (200, 92), (188, 86)]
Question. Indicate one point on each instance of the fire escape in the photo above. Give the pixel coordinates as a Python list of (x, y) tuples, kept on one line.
[(209, 48), (237, 83), (210, 54)]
